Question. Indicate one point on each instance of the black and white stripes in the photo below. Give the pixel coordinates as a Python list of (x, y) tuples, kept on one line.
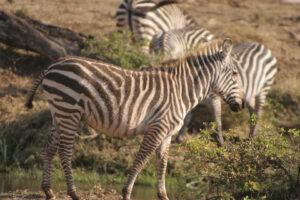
[(147, 18), (124, 102), (257, 69), (256, 65), (174, 44)]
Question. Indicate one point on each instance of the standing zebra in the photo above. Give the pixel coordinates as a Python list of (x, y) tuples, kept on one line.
[(255, 63), (146, 18), (123, 102)]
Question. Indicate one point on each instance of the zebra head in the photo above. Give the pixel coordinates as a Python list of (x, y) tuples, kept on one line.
[(228, 82)]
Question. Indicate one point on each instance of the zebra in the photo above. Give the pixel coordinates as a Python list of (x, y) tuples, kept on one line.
[(123, 102), (255, 63), (147, 18), (173, 44)]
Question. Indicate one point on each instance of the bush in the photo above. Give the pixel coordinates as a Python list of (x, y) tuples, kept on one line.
[(118, 49), (21, 142), (264, 167)]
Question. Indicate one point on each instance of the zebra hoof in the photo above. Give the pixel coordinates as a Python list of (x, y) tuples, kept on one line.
[(49, 194), (179, 139), (125, 194), (73, 195), (162, 196), (220, 143), (219, 139)]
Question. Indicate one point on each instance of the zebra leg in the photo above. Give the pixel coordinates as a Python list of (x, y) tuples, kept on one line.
[(180, 136), (150, 143), (255, 113), (162, 161), (65, 151), (216, 109), (50, 150)]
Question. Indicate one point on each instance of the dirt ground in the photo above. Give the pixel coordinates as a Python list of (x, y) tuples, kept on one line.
[(271, 22), (97, 193)]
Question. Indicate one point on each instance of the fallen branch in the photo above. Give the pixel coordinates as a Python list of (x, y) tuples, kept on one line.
[(51, 41), (288, 125)]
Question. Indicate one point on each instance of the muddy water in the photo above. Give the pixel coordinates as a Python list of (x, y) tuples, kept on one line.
[(10, 183)]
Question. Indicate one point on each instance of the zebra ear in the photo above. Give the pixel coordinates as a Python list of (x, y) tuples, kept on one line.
[(227, 47)]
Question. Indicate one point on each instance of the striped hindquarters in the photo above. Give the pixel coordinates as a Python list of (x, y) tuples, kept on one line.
[(257, 67), (176, 43)]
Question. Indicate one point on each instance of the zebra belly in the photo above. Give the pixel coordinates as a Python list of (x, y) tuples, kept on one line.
[(118, 129)]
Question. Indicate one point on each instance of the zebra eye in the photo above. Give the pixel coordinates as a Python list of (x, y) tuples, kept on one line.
[(234, 75)]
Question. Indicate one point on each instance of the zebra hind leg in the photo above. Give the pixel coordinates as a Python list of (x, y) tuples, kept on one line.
[(162, 161), (68, 132), (49, 151), (151, 141)]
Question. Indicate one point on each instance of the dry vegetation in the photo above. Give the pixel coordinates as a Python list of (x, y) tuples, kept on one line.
[(275, 24)]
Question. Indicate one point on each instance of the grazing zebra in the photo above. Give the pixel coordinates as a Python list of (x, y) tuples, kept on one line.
[(123, 102), (174, 44), (257, 69), (146, 18)]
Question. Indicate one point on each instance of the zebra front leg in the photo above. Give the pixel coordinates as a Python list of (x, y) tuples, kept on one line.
[(50, 150), (162, 161), (255, 114), (150, 143), (65, 151), (216, 109)]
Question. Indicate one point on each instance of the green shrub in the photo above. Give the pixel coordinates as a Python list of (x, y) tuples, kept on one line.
[(21, 142), (264, 167), (118, 49)]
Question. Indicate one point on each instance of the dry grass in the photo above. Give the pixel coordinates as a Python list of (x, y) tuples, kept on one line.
[(273, 23)]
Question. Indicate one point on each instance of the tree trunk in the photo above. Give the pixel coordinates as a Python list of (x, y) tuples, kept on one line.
[(25, 33)]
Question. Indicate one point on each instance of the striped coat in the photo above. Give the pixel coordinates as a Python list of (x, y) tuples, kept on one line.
[(257, 69)]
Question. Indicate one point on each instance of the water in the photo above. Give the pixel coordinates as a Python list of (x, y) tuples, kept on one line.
[(9, 183)]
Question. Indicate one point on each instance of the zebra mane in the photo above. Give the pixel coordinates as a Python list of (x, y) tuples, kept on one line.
[(242, 46)]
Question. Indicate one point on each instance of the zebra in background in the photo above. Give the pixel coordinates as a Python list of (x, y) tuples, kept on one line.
[(147, 18), (255, 63), (174, 44), (123, 102)]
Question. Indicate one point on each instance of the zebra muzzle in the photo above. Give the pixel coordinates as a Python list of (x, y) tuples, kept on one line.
[(236, 106)]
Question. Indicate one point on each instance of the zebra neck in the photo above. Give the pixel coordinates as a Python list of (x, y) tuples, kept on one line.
[(195, 81)]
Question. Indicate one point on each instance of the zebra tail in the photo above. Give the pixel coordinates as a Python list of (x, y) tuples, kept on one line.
[(36, 84)]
